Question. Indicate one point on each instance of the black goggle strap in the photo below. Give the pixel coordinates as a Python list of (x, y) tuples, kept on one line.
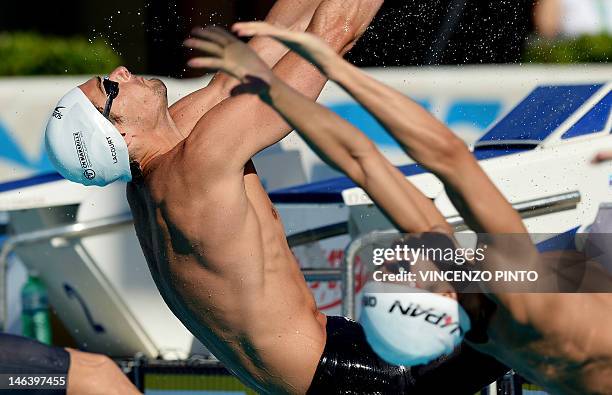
[(112, 90)]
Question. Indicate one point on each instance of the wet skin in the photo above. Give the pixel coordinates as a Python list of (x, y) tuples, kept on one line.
[(218, 254), (559, 340), (215, 245)]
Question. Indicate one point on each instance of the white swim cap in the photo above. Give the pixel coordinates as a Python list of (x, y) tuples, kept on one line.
[(411, 327), (83, 146)]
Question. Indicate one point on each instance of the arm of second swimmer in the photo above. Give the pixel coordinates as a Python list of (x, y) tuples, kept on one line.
[(419, 133), (434, 146), (344, 147)]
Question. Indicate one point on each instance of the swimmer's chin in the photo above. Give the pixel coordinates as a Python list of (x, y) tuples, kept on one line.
[(158, 85)]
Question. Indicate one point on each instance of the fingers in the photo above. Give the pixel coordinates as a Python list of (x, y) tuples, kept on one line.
[(210, 40), (206, 63), (214, 34), (249, 29)]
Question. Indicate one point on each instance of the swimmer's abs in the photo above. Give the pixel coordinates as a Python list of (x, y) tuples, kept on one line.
[(214, 283)]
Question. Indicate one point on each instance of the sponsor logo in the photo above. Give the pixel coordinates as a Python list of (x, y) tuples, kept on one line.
[(369, 301), (81, 150), (57, 113), (429, 315), (112, 149)]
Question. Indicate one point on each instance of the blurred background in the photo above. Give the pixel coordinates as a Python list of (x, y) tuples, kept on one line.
[(467, 61), (86, 38), (89, 37)]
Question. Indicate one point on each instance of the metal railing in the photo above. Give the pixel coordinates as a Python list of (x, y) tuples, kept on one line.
[(80, 229), (312, 235), (344, 274)]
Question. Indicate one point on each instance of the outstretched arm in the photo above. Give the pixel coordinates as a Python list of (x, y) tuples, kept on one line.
[(346, 148), (293, 15), (422, 136), (233, 131), (339, 143)]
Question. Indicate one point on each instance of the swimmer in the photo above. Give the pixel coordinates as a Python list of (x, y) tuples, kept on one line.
[(213, 240), (87, 374), (552, 339), (601, 157)]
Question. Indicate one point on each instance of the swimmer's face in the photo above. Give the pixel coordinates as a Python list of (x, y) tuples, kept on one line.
[(138, 106)]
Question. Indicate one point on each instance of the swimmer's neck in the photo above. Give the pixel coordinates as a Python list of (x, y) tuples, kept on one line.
[(156, 142)]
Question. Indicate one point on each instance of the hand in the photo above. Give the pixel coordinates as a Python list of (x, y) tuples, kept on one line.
[(226, 53), (603, 156), (307, 45)]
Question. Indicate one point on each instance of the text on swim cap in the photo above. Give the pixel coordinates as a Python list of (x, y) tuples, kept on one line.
[(430, 316), (81, 150), (112, 149)]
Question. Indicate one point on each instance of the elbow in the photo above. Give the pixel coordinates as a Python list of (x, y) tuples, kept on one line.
[(364, 150), (447, 154), (362, 158)]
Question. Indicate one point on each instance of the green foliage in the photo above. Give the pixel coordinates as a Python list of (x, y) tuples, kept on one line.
[(584, 49), (35, 54)]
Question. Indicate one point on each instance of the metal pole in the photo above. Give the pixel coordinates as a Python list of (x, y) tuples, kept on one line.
[(312, 235), (348, 288), (532, 208), (311, 275)]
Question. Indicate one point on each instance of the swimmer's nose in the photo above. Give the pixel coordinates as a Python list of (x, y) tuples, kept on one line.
[(120, 74)]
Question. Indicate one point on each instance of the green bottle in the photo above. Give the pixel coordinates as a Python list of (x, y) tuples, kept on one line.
[(35, 318)]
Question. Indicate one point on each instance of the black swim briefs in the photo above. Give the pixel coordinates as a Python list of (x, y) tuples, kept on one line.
[(350, 366)]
